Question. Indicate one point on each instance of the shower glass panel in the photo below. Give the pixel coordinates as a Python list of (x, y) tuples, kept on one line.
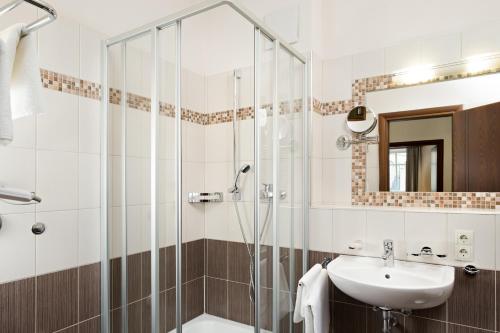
[(186, 117)]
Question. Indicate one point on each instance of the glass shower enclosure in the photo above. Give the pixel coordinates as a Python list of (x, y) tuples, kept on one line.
[(204, 211)]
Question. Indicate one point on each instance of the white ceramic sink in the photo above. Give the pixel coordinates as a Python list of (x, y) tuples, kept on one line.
[(407, 285)]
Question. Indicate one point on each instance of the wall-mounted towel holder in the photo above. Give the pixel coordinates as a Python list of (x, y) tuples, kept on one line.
[(326, 261), (43, 21)]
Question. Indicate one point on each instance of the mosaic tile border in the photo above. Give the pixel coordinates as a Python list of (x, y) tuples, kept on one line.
[(71, 85), (359, 195)]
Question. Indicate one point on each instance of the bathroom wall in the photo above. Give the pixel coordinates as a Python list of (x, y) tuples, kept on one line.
[(51, 281), (331, 182), (471, 308)]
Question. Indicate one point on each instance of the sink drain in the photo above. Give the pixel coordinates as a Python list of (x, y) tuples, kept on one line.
[(387, 276)]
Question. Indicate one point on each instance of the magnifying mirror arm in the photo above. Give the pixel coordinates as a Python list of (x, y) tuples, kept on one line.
[(345, 141)]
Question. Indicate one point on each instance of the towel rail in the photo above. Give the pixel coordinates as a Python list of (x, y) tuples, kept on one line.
[(37, 24)]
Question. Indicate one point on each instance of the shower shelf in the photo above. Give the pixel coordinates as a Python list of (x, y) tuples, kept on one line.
[(202, 197)]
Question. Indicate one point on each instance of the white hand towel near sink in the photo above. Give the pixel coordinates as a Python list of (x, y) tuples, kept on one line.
[(20, 93), (305, 284), (317, 307)]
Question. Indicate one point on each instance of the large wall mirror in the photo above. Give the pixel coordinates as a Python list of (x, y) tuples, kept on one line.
[(436, 137)]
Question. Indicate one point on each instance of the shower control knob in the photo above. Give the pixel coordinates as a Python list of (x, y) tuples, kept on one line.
[(38, 228)]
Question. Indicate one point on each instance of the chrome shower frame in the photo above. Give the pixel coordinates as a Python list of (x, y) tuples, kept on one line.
[(153, 29)]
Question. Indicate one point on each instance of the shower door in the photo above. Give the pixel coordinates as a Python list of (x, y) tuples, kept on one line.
[(131, 146), (280, 202)]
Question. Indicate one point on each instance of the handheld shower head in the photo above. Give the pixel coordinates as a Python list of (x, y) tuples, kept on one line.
[(236, 187), (244, 169)]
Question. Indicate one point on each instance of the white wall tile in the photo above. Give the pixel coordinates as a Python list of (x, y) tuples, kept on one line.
[(381, 225), (218, 177), (24, 132), (368, 64), (62, 34), (193, 222), (217, 148), (316, 185), (89, 181), (316, 135), (321, 230), (167, 224), (219, 92), (480, 40), (216, 220), (57, 247), (90, 54), (89, 122), (57, 126), (193, 142), (135, 229), (135, 181), (89, 245), (246, 210), (337, 180), (17, 170), (333, 127), (57, 180), (348, 226), (337, 79), (426, 229), (483, 227), (17, 245), (441, 49), (403, 56)]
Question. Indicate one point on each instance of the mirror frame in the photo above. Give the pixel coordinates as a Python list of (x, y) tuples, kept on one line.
[(384, 120)]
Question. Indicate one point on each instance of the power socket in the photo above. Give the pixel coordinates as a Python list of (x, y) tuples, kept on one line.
[(463, 252), (464, 237)]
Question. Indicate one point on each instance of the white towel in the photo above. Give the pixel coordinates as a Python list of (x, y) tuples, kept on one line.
[(20, 85), (305, 284), (317, 308)]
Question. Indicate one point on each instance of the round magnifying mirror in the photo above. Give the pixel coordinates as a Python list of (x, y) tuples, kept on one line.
[(361, 120)]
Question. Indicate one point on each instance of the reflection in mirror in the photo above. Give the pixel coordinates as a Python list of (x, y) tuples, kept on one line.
[(361, 120)]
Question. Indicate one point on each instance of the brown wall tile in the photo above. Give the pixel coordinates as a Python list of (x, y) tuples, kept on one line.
[(238, 262), (452, 328), (89, 291), (349, 318), (57, 300), (134, 276), (170, 266), (216, 259), (146, 315), (17, 306), (115, 282), (239, 304), (146, 274), (216, 297), (163, 269), (473, 300), (418, 325), (90, 326), (135, 317), (195, 257), (374, 322), (170, 309), (72, 329), (194, 298), (438, 312)]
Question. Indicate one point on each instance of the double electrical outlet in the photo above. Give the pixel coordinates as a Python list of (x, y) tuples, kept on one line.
[(464, 243)]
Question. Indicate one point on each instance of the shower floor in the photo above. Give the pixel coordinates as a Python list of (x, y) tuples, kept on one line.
[(211, 324)]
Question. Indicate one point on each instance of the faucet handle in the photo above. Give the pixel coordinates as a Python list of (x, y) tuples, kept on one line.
[(388, 244)]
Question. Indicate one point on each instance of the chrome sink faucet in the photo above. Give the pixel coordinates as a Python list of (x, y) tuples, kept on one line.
[(388, 255)]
